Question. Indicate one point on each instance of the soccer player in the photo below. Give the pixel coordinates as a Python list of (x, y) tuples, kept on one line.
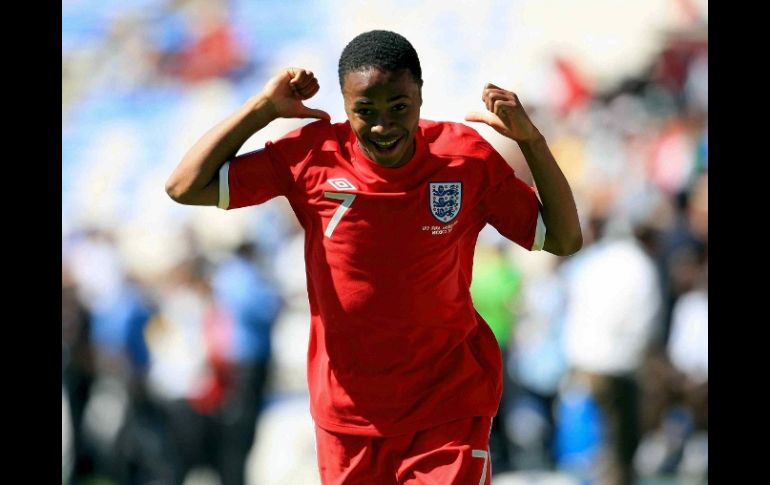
[(404, 375)]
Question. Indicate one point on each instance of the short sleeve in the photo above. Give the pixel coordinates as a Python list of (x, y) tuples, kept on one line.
[(250, 179), (258, 176), (513, 207)]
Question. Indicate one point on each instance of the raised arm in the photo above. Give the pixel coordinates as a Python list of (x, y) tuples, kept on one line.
[(506, 115), (195, 180)]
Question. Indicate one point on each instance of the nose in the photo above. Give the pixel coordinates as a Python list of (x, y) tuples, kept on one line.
[(382, 125)]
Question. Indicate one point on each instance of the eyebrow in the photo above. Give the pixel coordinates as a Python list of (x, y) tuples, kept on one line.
[(394, 98)]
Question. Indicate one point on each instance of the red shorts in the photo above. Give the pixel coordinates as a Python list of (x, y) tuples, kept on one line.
[(453, 453)]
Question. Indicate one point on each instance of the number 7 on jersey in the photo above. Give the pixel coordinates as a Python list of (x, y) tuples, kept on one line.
[(347, 200)]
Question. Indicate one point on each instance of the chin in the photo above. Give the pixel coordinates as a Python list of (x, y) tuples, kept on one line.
[(388, 161)]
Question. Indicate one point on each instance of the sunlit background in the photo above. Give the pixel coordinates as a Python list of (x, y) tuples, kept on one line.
[(184, 329)]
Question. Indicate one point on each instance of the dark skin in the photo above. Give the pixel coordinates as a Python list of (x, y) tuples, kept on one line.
[(384, 109), (195, 181), (507, 116)]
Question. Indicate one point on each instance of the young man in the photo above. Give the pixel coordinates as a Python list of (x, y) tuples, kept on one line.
[(404, 375)]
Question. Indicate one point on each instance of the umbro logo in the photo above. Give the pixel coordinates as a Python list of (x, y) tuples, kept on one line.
[(341, 184)]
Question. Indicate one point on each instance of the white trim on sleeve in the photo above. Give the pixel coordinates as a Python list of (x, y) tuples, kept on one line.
[(224, 186), (539, 233)]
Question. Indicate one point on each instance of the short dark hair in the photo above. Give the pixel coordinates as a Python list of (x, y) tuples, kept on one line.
[(381, 49)]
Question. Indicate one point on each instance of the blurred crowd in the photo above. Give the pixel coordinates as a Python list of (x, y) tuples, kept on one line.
[(184, 330)]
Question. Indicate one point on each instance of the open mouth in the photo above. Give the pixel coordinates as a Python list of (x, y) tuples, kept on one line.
[(385, 147)]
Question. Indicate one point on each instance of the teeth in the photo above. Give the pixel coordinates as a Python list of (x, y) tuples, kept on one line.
[(385, 144)]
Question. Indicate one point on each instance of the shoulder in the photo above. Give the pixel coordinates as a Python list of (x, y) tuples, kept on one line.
[(313, 135), (451, 138), (302, 144)]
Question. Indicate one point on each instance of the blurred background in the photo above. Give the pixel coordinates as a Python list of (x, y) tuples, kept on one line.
[(184, 329)]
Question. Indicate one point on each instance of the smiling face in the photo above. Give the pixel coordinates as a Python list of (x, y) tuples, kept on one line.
[(383, 108)]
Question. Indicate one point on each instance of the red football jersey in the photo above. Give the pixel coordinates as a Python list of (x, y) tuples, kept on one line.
[(395, 343)]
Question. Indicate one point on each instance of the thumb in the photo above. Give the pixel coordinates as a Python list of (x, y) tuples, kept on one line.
[(482, 116), (306, 112), (488, 118)]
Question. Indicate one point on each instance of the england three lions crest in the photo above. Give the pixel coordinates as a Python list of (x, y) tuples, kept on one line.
[(445, 200)]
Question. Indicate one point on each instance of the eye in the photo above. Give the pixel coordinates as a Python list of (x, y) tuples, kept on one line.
[(399, 107), (363, 111)]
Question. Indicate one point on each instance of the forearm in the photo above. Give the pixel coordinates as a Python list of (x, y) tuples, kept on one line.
[(193, 180), (563, 233)]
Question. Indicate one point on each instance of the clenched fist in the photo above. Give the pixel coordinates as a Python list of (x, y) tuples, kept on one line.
[(505, 114), (286, 91)]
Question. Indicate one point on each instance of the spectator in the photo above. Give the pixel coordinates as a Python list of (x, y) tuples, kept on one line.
[(253, 304), (77, 372), (613, 304)]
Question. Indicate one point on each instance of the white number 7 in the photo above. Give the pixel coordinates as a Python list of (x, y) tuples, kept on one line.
[(481, 454), (346, 199)]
